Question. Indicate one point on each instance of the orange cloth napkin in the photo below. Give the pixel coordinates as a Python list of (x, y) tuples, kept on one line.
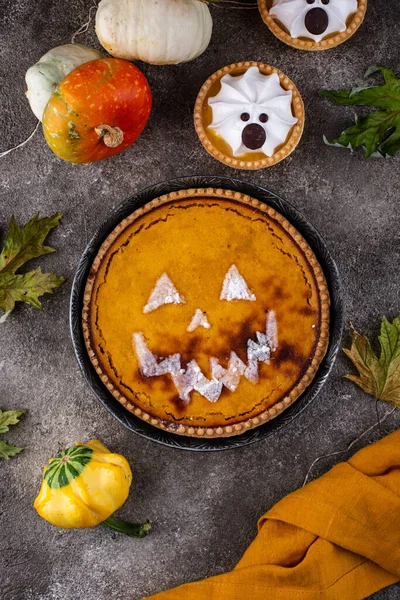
[(338, 538)]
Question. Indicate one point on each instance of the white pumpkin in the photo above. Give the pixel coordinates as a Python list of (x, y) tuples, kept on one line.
[(46, 74), (159, 32)]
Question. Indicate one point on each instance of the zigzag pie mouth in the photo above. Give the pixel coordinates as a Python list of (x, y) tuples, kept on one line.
[(191, 378)]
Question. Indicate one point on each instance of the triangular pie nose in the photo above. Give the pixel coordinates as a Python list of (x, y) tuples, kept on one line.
[(235, 287), (164, 292), (199, 319)]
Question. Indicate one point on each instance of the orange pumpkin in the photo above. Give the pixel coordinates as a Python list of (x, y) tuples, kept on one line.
[(97, 111)]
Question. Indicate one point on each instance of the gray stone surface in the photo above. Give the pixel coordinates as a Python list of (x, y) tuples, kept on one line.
[(204, 507)]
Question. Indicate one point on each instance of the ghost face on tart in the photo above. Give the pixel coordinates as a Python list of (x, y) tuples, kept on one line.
[(313, 18), (252, 112), (249, 115), (313, 24)]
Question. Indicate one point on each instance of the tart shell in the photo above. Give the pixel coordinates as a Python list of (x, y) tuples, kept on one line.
[(319, 350), (236, 162), (354, 22)]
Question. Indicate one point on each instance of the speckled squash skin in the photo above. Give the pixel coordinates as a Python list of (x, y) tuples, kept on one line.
[(107, 91), (43, 77)]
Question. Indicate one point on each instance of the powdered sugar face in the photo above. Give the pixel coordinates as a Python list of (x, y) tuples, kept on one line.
[(256, 352), (235, 287), (164, 292), (147, 360), (231, 376), (149, 364), (193, 379), (199, 319), (272, 331)]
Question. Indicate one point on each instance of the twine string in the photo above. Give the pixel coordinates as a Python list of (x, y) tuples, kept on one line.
[(376, 424), (83, 28), (377, 416), (5, 152)]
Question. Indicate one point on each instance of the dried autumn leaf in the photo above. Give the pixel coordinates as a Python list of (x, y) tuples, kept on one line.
[(379, 377), (26, 288)]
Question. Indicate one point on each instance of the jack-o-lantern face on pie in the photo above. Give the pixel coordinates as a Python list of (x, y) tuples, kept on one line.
[(206, 315)]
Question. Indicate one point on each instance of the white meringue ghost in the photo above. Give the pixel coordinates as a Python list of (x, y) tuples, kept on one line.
[(252, 94), (292, 14)]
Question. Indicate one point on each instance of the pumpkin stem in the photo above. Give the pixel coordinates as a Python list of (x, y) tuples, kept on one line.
[(111, 136), (132, 529)]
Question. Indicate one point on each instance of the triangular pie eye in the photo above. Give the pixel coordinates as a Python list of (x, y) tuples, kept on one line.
[(164, 292), (235, 287)]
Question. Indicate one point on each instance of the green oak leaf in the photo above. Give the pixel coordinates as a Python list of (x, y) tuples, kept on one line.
[(379, 377), (23, 244), (8, 450), (8, 418), (378, 133)]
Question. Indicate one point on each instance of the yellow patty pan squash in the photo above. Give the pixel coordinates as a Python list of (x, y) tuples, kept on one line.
[(83, 486)]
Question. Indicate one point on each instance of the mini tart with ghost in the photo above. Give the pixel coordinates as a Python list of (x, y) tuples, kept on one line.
[(249, 115), (313, 24), (206, 313)]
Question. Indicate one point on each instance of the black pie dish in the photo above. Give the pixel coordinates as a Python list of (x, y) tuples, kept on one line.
[(311, 236)]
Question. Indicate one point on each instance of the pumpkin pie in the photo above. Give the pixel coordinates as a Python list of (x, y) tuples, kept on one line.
[(206, 313), (313, 24), (249, 115)]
